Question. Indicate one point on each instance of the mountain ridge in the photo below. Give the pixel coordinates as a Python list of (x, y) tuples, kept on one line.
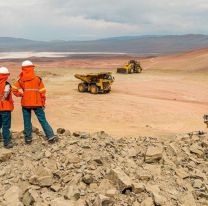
[(146, 45)]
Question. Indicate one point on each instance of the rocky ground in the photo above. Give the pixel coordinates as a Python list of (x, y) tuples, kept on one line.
[(98, 170)]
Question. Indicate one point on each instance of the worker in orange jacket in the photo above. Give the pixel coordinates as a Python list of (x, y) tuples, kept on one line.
[(33, 93), (6, 107)]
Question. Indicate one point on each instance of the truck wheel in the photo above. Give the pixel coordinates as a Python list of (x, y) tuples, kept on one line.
[(82, 87), (107, 91), (94, 89)]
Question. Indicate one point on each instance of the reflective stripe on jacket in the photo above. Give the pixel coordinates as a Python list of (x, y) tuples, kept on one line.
[(33, 92)]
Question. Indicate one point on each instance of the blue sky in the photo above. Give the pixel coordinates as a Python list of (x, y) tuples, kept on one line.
[(94, 19)]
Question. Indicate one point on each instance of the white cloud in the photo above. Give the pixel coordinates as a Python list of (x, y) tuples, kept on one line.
[(90, 19)]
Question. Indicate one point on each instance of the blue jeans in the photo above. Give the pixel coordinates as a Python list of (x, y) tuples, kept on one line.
[(5, 125), (39, 112)]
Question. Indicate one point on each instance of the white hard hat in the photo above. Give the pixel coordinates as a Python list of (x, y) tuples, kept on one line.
[(4, 70), (27, 63)]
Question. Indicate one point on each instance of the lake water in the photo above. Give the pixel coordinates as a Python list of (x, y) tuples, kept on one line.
[(17, 55)]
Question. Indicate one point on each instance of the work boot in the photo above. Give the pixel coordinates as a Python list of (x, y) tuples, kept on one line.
[(28, 141), (8, 146), (53, 139)]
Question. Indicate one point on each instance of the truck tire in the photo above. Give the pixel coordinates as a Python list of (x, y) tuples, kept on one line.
[(94, 89), (139, 70), (82, 87)]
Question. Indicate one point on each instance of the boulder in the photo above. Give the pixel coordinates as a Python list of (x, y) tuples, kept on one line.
[(87, 179), (153, 154), (196, 149), (27, 199), (13, 196), (188, 199), (154, 190), (147, 202), (47, 154), (121, 180), (82, 135), (102, 200), (62, 202), (72, 193), (43, 177), (45, 181), (5, 154), (197, 183), (138, 187), (61, 131)]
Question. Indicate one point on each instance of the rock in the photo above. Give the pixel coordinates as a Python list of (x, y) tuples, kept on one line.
[(45, 181), (35, 130), (188, 199), (93, 186), (136, 204), (2, 172), (143, 175), (47, 154), (5, 154), (34, 195), (102, 200), (154, 190), (181, 173), (43, 178), (197, 184), (138, 187), (87, 179), (12, 196), (82, 135), (105, 185), (67, 178), (38, 156), (62, 202), (67, 133), (120, 179), (56, 187), (76, 134), (147, 202), (72, 193), (111, 193), (27, 199), (196, 149), (73, 158), (61, 131), (132, 152), (153, 154)]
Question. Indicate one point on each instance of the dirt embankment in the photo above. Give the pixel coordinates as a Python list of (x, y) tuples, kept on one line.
[(99, 170)]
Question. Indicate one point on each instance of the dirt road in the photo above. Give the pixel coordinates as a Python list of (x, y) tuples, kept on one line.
[(163, 100)]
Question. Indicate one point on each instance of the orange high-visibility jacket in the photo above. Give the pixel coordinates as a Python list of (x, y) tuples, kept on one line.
[(32, 92), (6, 104)]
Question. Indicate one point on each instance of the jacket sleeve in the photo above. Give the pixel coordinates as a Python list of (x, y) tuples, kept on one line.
[(42, 91), (16, 89)]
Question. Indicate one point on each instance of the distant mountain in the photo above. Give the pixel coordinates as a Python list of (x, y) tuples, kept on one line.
[(142, 45)]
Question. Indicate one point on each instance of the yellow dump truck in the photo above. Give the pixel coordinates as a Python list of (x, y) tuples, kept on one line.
[(133, 66), (95, 83)]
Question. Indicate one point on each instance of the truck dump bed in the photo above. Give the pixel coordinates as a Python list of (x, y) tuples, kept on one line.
[(91, 77)]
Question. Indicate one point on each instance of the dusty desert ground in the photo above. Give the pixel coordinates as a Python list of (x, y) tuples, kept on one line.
[(169, 97)]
